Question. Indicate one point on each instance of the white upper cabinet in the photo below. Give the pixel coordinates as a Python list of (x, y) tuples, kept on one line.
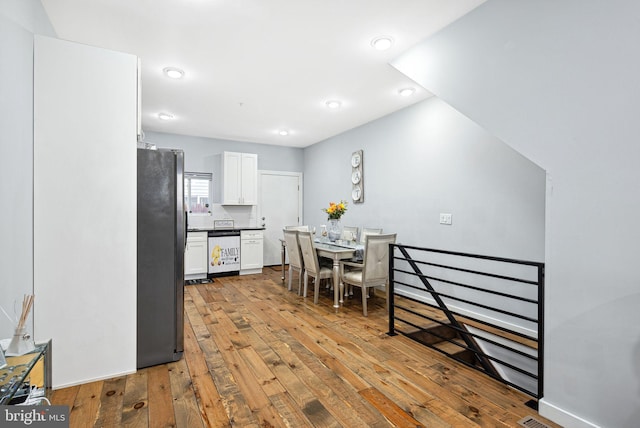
[(236, 179)]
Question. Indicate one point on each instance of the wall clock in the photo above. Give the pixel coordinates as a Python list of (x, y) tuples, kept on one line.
[(356, 158), (356, 194), (357, 185)]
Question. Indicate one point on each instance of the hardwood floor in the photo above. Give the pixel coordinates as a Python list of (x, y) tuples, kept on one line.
[(257, 355)]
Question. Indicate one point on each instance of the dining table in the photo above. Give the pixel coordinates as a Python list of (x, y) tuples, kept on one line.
[(335, 251)]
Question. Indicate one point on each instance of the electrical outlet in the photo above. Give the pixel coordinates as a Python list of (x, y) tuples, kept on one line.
[(445, 218)]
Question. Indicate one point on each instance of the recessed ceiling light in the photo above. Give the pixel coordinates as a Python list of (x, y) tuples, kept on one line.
[(165, 116), (382, 43), (283, 132), (333, 104), (406, 92), (173, 72)]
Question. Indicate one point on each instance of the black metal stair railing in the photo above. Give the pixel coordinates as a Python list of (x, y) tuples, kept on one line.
[(488, 309)]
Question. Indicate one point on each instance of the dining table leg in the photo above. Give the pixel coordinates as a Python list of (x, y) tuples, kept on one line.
[(337, 289), (282, 254)]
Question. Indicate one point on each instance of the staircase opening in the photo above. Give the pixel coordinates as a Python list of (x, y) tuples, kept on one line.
[(485, 312)]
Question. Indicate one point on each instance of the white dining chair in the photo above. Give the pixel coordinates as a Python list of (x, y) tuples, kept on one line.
[(349, 233), (303, 227), (374, 270), (312, 268), (295, 257), (369, 231)]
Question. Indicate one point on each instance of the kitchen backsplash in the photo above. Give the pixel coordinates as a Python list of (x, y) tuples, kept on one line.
[(243, 216)]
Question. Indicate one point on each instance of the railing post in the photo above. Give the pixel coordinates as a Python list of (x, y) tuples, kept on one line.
[(391, 293), (540, 331)]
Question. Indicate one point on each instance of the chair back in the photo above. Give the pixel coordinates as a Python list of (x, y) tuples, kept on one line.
[(309, 255), (304, 227), (349, 233), (293, 248), (369, 231), (376, 257)]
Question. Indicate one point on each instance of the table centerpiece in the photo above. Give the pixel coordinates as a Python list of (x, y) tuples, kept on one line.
[(334, 212)]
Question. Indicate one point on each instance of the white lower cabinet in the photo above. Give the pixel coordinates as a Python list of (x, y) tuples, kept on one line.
[(195, 256), (251, 251)]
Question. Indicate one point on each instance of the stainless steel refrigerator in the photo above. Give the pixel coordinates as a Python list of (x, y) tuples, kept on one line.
[(161, 244)]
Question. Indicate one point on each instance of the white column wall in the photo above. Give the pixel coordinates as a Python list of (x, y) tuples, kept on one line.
[(85, 209)]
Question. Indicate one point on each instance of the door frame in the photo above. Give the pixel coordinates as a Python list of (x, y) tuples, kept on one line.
[(299, 175)]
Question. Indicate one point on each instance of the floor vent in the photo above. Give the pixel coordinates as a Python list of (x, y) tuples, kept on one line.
[(531, 422)]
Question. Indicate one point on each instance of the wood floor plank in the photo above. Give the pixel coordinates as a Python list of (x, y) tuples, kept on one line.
[(185, 404), (358, 361), (135, 408), (389, 409), (86, 406), (247, 382), (234, 403), (289, 410), (265, 343), (202, 299), (161, 412), (112, 399), (210, 403), (340, 398), (364, 357), (64, 396), (258, 355)]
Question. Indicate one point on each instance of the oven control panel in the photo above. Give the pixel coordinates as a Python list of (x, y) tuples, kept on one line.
[(223, 224)]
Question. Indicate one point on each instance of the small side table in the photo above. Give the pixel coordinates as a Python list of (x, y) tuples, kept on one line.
[(20, 373)]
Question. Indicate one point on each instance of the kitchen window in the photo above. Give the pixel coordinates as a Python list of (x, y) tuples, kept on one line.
[(197, 192)]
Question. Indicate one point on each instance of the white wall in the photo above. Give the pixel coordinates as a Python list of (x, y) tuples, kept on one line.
[(425, 160), (559, 82), (85, 104), (197, 149), (19, 20), (198, 156)]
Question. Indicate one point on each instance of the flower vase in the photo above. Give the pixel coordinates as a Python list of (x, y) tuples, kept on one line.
[(334, 229)]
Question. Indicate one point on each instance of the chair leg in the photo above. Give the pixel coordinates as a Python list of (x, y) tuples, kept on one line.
[(290, 272), (300, 283), (348, 290), (306, 281), (316, 290), (365, 291)]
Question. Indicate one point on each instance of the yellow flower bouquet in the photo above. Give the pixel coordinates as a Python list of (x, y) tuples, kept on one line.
[(335, 211)]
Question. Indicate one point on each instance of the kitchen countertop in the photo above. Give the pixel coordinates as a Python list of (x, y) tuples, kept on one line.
[(234, 229)]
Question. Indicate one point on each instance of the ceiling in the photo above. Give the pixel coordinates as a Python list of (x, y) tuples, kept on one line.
[(253, 68)]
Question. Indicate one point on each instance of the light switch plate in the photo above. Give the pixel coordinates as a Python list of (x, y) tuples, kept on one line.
[(445, 218)]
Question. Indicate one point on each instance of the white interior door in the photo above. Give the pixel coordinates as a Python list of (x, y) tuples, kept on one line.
[(279, 205)]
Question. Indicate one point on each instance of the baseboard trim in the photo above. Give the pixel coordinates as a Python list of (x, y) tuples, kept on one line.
[(96, 379), (562, 417)]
